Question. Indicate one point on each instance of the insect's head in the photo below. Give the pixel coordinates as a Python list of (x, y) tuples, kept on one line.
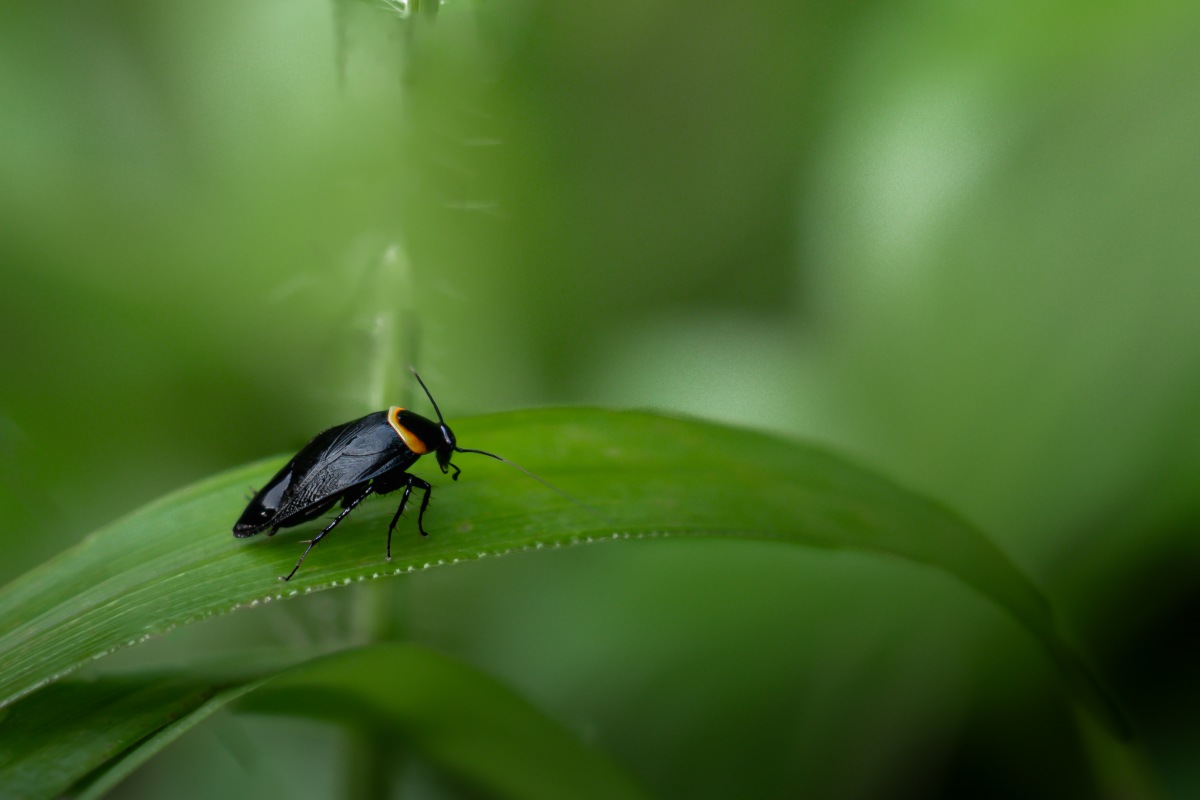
[(447, 445)]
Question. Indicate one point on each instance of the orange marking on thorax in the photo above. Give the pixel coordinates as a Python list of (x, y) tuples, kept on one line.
[(410, 439)]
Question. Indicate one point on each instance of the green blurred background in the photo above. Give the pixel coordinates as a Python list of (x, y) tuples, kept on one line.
[(957, 241)]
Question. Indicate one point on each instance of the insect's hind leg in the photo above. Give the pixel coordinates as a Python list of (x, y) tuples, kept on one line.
[(347, 507), (410, 482)]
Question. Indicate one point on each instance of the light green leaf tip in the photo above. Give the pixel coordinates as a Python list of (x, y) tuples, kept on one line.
[(175, 561)]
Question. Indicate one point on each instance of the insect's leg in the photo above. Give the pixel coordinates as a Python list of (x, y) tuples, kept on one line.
[(420, 484), (403, 502), (412, 481), (349, 507)]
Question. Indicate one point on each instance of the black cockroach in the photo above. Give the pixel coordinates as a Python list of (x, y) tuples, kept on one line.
[(350, 462)]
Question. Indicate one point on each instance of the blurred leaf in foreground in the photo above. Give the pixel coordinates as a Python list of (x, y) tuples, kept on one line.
[(458, 718)]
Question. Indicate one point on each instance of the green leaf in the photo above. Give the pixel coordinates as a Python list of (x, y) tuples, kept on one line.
[(175, 562), (456, 717), (50, 741)]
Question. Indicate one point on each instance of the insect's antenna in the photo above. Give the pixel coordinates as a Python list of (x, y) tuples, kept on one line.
[(427, 394), (540, 480)]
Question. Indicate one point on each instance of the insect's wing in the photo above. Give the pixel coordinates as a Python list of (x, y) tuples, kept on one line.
[(340, 459), (263, 510), (335, 461)]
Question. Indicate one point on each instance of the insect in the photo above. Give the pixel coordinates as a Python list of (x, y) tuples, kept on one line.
[(350, 462)]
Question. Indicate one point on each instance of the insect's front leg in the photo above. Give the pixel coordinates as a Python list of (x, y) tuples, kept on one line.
[(391, 483), (420, 484)]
